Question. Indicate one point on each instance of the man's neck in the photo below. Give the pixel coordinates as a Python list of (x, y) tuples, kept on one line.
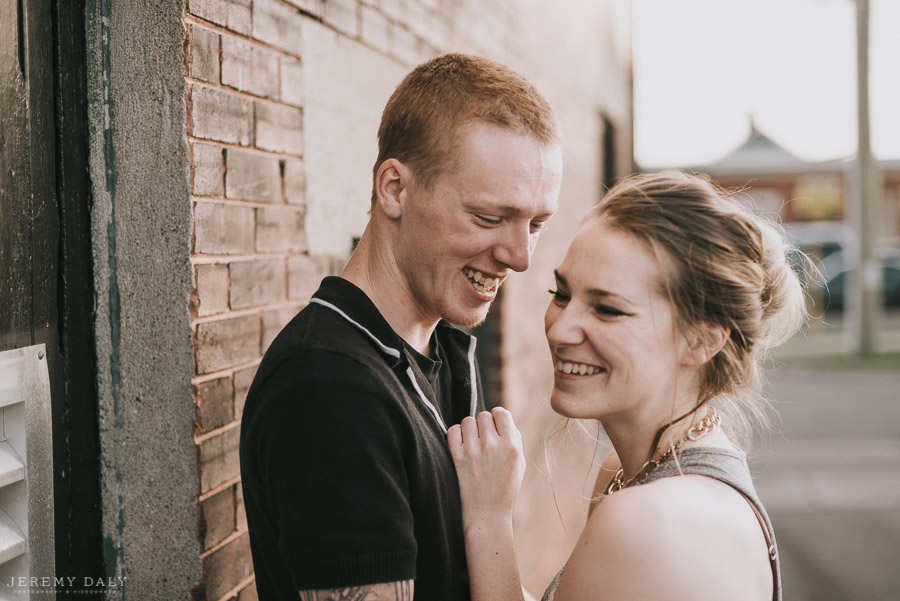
[(378, 275)]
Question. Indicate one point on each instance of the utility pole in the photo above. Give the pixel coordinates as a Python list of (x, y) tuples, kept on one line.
[(865, 292)]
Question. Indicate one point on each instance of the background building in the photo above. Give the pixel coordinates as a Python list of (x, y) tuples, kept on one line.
[(800, 191), (177, 178), (813, 199)]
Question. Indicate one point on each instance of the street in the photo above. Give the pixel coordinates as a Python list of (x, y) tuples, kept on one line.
[(829, 475)]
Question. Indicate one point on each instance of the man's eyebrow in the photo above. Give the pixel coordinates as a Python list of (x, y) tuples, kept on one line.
[(512, 210), (597, 292)]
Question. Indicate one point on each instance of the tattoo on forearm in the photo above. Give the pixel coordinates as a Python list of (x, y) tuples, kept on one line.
[(355, 593), (389, 591), (403, 590)]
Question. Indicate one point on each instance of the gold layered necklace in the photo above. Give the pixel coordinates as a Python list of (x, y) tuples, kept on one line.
[(706, 425)]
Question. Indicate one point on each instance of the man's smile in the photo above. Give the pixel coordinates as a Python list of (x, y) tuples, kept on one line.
[(482, 282)]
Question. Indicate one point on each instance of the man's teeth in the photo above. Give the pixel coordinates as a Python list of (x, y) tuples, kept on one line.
[(479, 281), (577, 368)]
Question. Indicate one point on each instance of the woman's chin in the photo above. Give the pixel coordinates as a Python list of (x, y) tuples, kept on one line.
[(562, 404)]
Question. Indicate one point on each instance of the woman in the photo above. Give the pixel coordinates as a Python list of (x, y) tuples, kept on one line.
[(665, 304)]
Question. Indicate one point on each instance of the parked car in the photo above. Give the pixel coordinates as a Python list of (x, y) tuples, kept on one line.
[(820, 239), (831, 245), (837, 276)]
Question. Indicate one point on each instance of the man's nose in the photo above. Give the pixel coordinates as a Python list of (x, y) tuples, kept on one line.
[(515, 249)]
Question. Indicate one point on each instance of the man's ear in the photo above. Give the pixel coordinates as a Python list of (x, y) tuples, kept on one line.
[(392, 186), (704, 342)]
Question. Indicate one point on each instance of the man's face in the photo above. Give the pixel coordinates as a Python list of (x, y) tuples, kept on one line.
[(458, 241)]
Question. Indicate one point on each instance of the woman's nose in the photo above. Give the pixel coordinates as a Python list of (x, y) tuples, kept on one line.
[(562, 327)]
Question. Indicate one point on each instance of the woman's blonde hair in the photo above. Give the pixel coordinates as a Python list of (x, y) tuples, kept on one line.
[(722, 265)]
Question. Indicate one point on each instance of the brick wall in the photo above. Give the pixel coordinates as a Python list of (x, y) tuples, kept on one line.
[(254, 215), (251, 269)]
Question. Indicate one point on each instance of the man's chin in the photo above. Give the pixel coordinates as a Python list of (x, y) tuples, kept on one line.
[(467, 319)]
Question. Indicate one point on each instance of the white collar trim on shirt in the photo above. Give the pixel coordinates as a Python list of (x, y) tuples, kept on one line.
[(392, 352)]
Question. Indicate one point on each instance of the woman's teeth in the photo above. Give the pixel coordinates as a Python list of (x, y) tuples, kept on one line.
[(481, 283), (577, 368)]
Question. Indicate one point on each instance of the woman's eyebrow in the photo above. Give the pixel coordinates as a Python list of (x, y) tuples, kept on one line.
[(596, 292)]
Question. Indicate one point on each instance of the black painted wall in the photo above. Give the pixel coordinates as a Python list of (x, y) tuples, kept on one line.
[(46, 283)]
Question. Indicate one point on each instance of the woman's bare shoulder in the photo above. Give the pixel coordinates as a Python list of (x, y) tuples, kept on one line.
[(663, 539)]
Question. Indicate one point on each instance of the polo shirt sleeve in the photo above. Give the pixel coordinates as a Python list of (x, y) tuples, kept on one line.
[(329, 448)]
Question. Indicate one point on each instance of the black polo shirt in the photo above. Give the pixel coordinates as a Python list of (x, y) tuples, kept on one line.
[(346, 474)]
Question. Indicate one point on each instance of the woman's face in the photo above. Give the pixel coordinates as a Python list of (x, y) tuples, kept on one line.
[(611, 329)]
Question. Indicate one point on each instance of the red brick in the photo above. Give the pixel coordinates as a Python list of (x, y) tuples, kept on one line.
[(212, 288), (257, 283), (233, 14), (209, 167), (221, 116), (219, 460), (305, 273), (217, 518), (215, 403), (295, 182), (277, 24), (242, 380), (226, 567), (252, 176), (204, 54), (223, 229), (249, 68), (375, 29), (274, 321), (280, 229), (343, 15), (228, 342), (291, 76), (279, 128)]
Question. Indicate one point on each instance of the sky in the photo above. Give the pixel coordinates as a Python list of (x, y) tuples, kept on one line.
[(702, 68)]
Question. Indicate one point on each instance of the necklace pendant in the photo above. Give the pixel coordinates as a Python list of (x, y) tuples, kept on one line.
[(706, 425)]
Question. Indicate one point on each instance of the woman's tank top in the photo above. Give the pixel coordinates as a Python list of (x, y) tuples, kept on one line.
[(728, 466)]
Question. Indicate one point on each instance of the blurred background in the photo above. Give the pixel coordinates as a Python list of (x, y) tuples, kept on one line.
[(763, 96)]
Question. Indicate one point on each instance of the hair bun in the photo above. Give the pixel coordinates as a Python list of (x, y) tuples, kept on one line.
[(782, 299)]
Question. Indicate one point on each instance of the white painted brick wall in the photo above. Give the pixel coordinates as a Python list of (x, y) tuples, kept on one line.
[(204, 54), (223, 229), (249, 67), (218, 115), (212, 289), (252, 176), (375, 29), (291, 79), (277, 24), (279, 128), (232, 14), (208, 169)]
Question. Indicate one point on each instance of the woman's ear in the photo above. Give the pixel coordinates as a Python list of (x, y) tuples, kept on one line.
[(704, 342), (392, 184)]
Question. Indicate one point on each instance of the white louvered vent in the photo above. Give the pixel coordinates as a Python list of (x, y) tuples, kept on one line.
[(26, 476)]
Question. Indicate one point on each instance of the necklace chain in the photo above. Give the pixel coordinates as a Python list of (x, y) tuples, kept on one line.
[(706, 425)]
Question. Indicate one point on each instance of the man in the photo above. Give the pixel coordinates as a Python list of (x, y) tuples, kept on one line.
[(349, 487)]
